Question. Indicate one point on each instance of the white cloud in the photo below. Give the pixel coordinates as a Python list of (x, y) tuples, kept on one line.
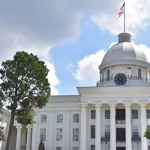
[(137, 17), (87, 68), (144, 48), (87, 71), (38, 26), (54, 81), (19, 44)]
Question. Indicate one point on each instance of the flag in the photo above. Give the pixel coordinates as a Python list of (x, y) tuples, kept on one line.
[(122, 10)]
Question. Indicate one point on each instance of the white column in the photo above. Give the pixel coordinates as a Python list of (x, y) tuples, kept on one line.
[(128, 127), (28, 145), (98, 127), (112, 127), (18, 141), (34, 133), (143, 127), (83, 128)]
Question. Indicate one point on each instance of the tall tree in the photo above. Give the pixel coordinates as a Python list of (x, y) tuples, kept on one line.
[(1, 124), (24, 84)]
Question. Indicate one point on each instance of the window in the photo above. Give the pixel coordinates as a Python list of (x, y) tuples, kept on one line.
[(107, 114), (100, 76), (108, 75), (43, 134), (107, 131), (59, 118), (134, 114), (148, 114), (148, 126), (93, 114), (120, 134), (75, 134), (92, 131), (58, 148), (135, 131), (75, 148), (59, 134), (43, 118), (92, 147), (75, 118), (148, 147), (139, 73)]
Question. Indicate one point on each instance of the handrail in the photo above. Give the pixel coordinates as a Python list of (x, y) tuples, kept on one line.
[(105, 138), (120, 121), (136, 138)]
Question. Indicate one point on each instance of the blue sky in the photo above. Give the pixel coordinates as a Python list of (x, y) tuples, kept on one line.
[(70, 36), (91, 40)]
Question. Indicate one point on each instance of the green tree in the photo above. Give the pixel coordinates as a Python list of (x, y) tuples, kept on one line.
[(147, 134), (24, 85), (2, 133)]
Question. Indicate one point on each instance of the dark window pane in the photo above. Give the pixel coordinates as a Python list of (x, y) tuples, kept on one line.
[(134, 114), (107, 114), (92, 147), (93, 114), (92, 131), (148, 114), (139, 73), (120, 114), (108, 75), (120, 134)]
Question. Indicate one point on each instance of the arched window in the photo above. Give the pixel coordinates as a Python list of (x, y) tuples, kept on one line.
[(139, 73), (108, 75)]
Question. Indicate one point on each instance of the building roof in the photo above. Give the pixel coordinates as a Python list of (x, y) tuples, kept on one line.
[(124, 50)]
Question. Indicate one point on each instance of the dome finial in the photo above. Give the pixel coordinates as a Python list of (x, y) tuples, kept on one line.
[(124, 37)]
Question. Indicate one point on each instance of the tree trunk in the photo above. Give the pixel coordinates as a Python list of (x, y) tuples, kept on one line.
[(10, 129)]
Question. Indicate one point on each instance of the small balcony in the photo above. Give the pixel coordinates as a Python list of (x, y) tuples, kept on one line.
[(135, 137), (106, 138), (120, 140), (120, 121)]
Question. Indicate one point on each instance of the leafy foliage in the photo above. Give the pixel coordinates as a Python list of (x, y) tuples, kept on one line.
[(2, 133), (147, 134), (24, 86)]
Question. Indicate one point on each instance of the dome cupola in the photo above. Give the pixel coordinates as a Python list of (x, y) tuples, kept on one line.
[(124, 60), (124, 51)]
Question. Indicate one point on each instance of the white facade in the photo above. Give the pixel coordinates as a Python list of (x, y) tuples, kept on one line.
[(113, 115)]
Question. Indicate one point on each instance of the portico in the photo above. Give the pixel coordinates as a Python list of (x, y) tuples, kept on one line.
[(128, 106), (23, 142)]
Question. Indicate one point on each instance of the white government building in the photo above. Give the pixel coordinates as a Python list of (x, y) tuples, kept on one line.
[(113, 115)]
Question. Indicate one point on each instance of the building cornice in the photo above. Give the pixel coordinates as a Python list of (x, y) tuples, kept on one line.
[(125, 61)]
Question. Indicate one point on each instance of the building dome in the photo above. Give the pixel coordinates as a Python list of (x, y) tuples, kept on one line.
[(124, 50), (124, 62)]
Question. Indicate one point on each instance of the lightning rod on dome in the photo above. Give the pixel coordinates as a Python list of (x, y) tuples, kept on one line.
[(121, 12)]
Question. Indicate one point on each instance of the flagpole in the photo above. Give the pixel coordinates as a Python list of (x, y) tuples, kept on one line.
[(124, 16)]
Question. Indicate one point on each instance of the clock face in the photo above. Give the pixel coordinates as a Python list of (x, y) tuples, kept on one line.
[(120, 79)]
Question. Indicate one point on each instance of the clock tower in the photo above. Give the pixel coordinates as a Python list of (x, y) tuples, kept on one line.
[(123, 65)]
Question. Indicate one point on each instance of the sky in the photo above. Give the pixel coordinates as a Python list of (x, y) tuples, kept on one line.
[(70, 36)]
